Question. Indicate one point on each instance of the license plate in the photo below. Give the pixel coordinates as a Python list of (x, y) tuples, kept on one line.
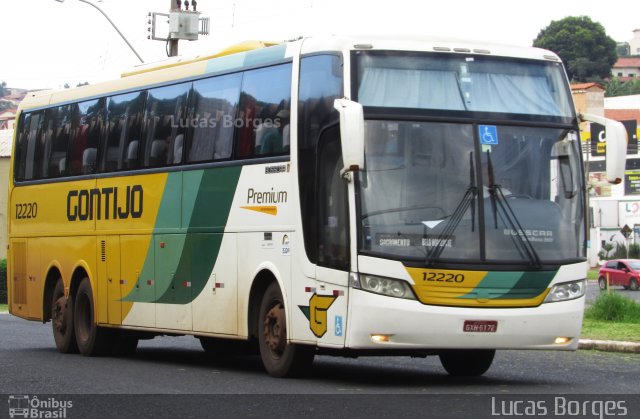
[(481, 326)]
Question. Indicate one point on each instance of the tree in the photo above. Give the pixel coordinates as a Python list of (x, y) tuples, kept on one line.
[(587, 51), (615, 87)]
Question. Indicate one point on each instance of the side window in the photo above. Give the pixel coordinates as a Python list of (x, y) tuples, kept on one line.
[(333, 213), (26, 160), (124, 128), (164, 128), (320, 85), (50, 156), (612, 265), (215, 104), (19, 149), (86, 131), (58, 135), (263, 116)]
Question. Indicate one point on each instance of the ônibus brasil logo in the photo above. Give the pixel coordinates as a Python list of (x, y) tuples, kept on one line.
[(33, 407)]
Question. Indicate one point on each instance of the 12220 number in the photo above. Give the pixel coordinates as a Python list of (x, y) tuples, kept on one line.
[(442, 277), (26, 211)]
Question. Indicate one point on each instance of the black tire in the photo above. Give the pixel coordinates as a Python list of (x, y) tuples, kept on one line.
[(602, 283), (279, 357), (467, 362), (62, 320), (91, 339), (633, 284)]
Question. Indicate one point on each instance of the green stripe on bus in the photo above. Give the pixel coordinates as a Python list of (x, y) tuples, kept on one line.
[(531, 284), (511, 285), (212, 205), (180, 263)]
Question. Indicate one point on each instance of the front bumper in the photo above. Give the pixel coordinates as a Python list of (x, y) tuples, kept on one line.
[(413, 325)]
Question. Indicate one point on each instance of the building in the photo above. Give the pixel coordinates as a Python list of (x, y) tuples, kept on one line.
[(626, 68), (634, 43), (612, 207), (7, 118)]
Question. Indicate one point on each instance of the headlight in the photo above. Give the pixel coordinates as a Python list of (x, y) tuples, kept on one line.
[(566, 291), (385, 286)]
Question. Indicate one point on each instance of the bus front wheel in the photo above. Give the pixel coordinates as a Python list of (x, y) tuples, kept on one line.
[(62, 320), (467, 362), (91, 339), (280, 358)]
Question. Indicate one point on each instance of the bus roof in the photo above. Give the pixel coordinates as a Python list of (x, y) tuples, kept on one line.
[(255, 53)]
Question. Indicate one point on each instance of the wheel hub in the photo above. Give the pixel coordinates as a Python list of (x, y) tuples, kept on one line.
[(275, 329), (59, 314)]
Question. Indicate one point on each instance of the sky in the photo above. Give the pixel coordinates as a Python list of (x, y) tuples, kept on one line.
[(48, 43)]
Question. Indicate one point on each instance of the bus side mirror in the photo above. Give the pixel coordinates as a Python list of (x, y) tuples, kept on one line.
[(351, 133), (616, 136)]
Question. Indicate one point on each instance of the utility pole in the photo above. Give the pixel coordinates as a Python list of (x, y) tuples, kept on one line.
[(173, 43), (183, 25)]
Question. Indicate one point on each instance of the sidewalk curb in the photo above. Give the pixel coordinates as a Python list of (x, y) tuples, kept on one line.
[(610, 346)]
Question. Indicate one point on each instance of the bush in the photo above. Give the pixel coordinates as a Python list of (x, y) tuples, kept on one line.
[(634, 251), (621, 252), (610, 306), (3, 281)]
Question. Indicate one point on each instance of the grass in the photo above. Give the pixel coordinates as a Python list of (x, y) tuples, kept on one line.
[(3, 307), (592, 274), (614, 307), (612, 317), (607, 330)]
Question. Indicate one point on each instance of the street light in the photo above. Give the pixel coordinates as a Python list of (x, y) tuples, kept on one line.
[(114, 27)]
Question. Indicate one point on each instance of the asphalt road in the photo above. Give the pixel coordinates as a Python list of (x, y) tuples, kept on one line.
[(176, 367)]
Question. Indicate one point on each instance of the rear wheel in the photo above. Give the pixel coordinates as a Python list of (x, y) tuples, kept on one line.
[(602, 283), (467, 362), (280, 358), (91, 339), (633, 284), (62, 320)]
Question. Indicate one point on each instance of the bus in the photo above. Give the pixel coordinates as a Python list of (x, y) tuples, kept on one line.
[(334, 195)]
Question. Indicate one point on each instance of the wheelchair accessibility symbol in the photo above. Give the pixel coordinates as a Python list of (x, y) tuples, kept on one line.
[(488, 134)]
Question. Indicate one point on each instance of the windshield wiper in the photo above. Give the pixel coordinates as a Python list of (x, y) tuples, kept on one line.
[(468, 200), (508, 216)]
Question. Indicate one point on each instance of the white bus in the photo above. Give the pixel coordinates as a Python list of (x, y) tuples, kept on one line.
[(343, 196)]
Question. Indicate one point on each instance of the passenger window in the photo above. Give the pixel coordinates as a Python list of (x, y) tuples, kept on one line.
[(54, 138), (124, 128), (263, 116), (27, 147), (214, 109), (87, 126), (165, 125)]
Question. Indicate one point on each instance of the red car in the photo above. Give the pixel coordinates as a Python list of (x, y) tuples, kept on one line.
[(624, 272)]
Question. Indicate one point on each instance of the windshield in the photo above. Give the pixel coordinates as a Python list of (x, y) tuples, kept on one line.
[(440, 191), (634, 265), (462, 83)]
